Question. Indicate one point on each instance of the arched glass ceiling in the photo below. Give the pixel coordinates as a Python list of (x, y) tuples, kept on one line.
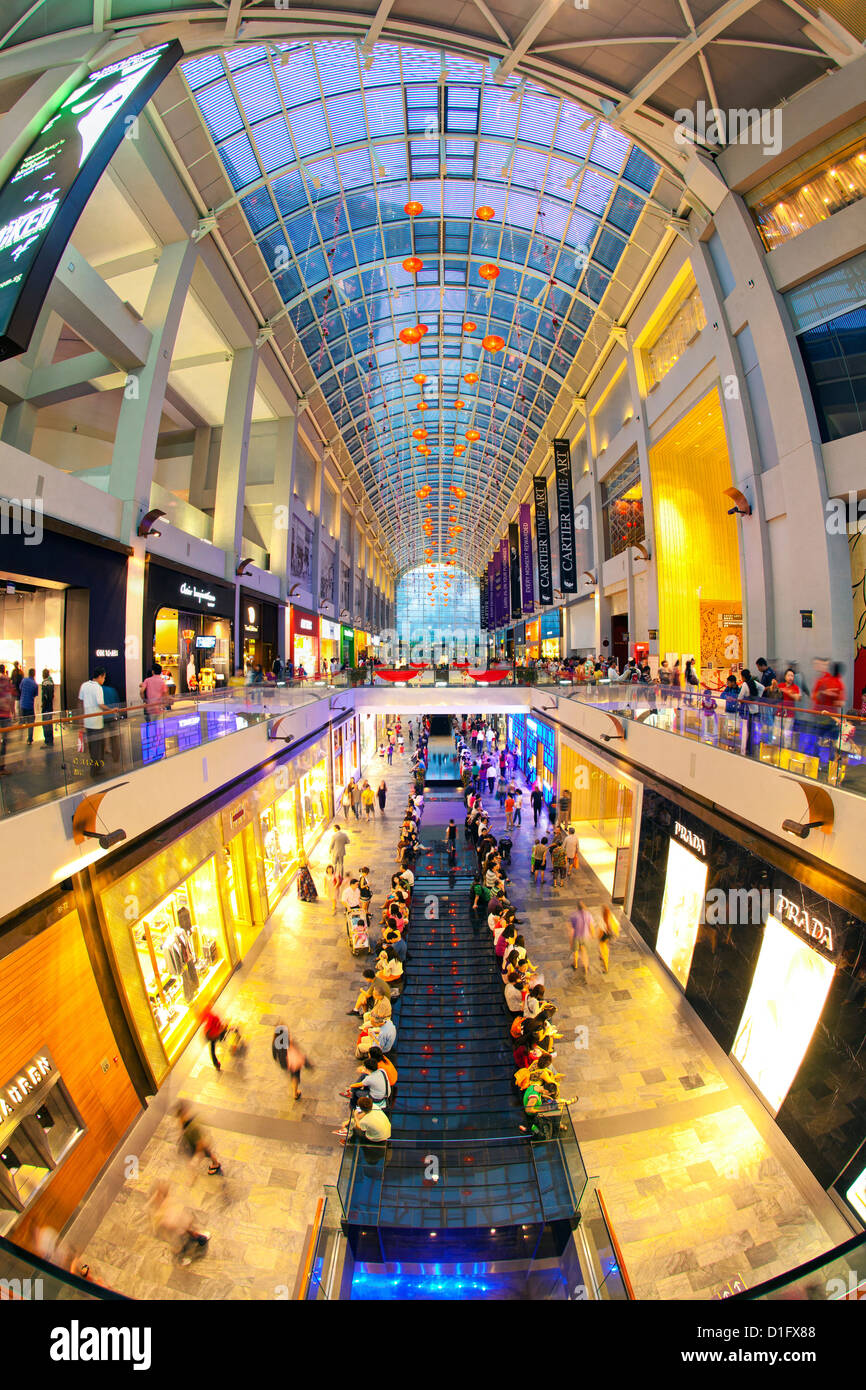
[(324, 148)]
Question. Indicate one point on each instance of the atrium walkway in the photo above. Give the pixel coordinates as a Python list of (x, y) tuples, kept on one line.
[(699, 1188)]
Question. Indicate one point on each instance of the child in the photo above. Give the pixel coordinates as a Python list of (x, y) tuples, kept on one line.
[(334, 883)]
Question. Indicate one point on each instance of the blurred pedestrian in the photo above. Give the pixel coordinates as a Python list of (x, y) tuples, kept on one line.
[(173, 1222), (194, 1139), (290, 1057)]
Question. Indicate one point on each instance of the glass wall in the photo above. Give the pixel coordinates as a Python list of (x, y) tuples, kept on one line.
[(811, 197), (438, 614), (680, 330), (834, 354), (601, 811), (622, 508)]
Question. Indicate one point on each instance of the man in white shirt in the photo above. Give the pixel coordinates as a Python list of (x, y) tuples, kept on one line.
[(572, 845), (351, 895), (92, 702)]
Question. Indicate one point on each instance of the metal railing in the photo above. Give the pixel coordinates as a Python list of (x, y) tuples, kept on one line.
[(28, 1278)]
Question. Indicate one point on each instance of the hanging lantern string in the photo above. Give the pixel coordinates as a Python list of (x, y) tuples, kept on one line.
[(330, 289)]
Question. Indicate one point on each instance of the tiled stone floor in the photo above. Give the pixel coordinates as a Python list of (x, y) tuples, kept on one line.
[(698, 1187)]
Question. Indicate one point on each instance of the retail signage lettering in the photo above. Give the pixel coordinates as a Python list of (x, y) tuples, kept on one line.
[(482, 590), (527, 578), (47, 191), (24, 1083), (505, 590), (107, 651), (565, 512), (305, 624), (200, 596), (514, 568), (542, 540), (689, 838), (804, 921)]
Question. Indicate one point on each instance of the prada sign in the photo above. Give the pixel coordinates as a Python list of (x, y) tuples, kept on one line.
[(689, 838), (25, 1084)]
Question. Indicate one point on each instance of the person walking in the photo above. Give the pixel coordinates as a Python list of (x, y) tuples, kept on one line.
[(539, 860), (333, 882), (582, 932), (518, 806), (501, 791), (337, 850), (491, 779), (390, 752), (558, 862), (154, 692), (382, 795), (7, 711), (572, 851), (537, 799), (609, 932), (290, 1058), (367, 800), (346, 800), (195, 1139), (27, 692), (47, 708), (173, 1223), (509, 811), (92, 702), (214, 1031), (356, 800)]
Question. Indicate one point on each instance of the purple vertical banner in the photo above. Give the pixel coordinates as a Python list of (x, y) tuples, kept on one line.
[(491, 606), (506, 592), (527, 573), (497, 590)]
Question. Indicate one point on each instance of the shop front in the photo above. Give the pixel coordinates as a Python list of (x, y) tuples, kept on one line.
[(188, 628), (66, 1097), (260, 626), (363, 646), (520, 643), (533, 742), (313, 772), (329, 643), (63, 606), (347, 645), (771, 966), (601, 805), (304, 633), (367, 736), (166, 923), (533, 650), (550, 635)]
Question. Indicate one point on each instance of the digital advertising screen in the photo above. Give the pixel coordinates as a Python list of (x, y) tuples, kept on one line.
[(46, 193), (682, 910), (789, 990)]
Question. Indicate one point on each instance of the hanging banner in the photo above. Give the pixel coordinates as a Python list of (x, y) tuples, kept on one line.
[(542, 540), (506, 586), (514, 569), (526, 575), (497, 590), (491, 605), (565, 511), (482, 595)]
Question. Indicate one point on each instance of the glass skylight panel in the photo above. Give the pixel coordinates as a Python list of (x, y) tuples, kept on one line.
[(273, 143), (259, 210), (199, 71), (257, 92), (595, 191), (641, 170), (220, 110), (361, 211), (237, 58), (595, 282), (297, 79), (354, 167), (240, 163), (498, 113), (538, 117), (609, 148), (385, 67), (625, 210), (608, 249), (289, 192), (347, 120), (337, 61)]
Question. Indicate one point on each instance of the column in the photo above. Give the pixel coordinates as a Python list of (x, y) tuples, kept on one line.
[(281, 516), (642, 440), (132, 462)]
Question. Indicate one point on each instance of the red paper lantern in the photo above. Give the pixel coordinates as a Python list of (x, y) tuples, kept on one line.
[(485, 213), (422, 329), (419, 378), (470, 378), (413, 264), (488, 271), (419, 434), (412, 209), (411, 335), (493, 343), (421, 405), (469, 326), (423, 449), (472, 435)]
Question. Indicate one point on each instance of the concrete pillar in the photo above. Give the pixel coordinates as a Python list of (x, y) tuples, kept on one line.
[(198, 473), (132, 462), (228, 517), (642, 440), (281, 516)]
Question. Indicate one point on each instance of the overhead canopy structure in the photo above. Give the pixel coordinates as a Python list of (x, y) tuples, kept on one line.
[(348, 153)]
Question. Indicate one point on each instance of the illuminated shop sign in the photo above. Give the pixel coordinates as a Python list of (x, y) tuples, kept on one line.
[(46, 193), (203, 597), (689, 838), (305, 624), (31, 1078), (804, 921), (107, 651)]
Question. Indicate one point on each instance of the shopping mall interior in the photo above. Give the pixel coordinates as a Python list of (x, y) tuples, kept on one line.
[(457, 409)]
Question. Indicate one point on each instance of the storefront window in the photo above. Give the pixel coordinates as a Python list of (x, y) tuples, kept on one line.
[(181, 948), (193, 649), (622, 508), (279, 829), (680, 330), (600, 809), (806, 200), (315, 801)]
